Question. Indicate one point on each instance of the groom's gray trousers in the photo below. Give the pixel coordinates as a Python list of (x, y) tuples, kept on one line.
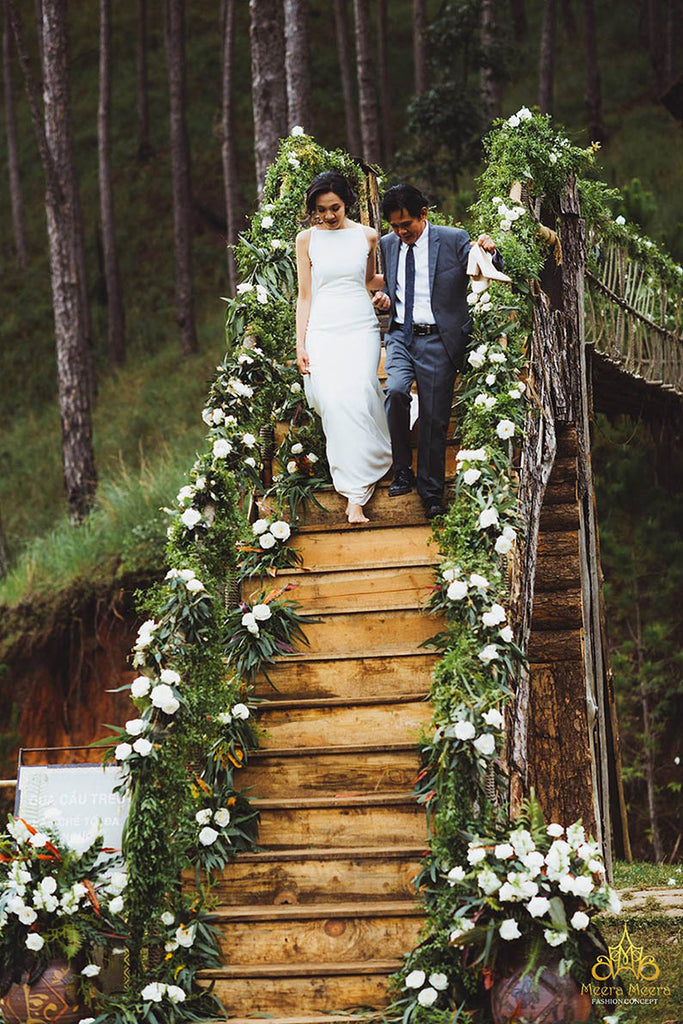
[(426, 361)]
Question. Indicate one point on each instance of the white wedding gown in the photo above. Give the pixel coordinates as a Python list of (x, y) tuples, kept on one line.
[(343, 345)]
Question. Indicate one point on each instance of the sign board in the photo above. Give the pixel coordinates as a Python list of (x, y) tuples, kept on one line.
[(74, 799)]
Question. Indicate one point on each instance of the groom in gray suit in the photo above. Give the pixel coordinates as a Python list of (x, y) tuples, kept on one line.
[(426, 296)]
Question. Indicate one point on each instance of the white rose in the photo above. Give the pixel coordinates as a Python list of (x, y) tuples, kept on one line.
[(203, 817), (503, 545), (538, 906), (222, 817), (184, 494), (464, 925), (524, 114), (497, 357), (485, 744), (195, 586), (427, 996), (168, 918), (503, 850), (240, 711), (244, 287), (438, 981), (470, 476), (122, 751), (116, 905), (143, 747), (415, 979), (476, 359), (262, 297), (90, 971), (190, 518), (505, 429), (140, 686), (259, 527), (580, 920), (312, 457), (280, 530), (49, 885), (554, 938), (297, 130), (464, 730), (249, 440), (267, 541), (297, 448), (476, 580), (488, 517), (261, 612), (169, 676), (488, 653), (154, 992), (248, 620), (162, 697), (509, 929), (554, 830), (456, 874), (493, 717), (620, 220), (175, 994), (292, 467), (494, 616), (513, 121), (457, 590), (208, 836), (475, 854), (135, 726), (266, 222), (490, 379), (221, 448), (472, 298), (506, 634), (34, 941)]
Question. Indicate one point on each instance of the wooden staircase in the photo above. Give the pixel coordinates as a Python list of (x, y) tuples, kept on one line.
[(316, 921)]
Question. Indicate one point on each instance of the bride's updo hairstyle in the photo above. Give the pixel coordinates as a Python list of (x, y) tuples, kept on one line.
[(330, 181)]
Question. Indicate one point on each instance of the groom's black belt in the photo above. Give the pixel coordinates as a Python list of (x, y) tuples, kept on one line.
[(422, 330)]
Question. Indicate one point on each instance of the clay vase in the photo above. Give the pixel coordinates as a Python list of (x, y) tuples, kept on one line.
[(548, 999), (52, 998)]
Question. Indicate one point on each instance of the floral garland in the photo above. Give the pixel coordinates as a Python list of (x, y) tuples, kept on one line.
[(515, 882)]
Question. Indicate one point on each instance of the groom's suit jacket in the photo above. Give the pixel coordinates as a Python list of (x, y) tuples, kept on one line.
[(448, 252)]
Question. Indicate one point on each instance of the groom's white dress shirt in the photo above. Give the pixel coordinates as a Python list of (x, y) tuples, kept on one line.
[(422, 306)]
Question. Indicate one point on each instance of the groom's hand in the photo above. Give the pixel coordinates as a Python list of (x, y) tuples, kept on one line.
[(486, 242), (381, 301)]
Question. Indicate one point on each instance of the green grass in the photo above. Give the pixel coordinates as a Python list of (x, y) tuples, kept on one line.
[(662, 938), (644, 875)]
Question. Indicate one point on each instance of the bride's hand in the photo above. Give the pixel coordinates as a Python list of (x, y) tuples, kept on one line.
[(302, 361)]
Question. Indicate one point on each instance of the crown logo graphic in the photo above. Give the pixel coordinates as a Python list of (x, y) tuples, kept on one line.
[(625, 958)]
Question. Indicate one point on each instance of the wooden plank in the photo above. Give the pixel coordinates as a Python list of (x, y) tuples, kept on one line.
[(342, 825), (305, 876), (563, 471), (307, 991), (560, 645), (358, 590), (306, 727), (560, 494), (407, 508), (557, 610), (389, 770), (557, 572), (354, 547), (371, 632), (376, 676), (321, 940), (559, 517), (565, 542)]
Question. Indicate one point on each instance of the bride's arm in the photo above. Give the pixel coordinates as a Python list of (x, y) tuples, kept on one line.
[(303, 302), (374, 282)]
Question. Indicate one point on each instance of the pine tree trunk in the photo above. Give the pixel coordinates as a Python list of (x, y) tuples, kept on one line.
[(299, 106), (228, 155), (420, 46), (39, 29), (648, 738), (144, 144), (518, 12), (365, 66), (569, 22), (384, 84), (546, 70), (18, 223), (344, 53), (64, 228), (268, 84), (596, 126), (174, 31), (490, 83), (116, 321)]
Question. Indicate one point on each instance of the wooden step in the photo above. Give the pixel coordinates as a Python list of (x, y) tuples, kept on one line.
[(557, 572), (321, 933), (351, 820), (557, 610), (283, 989), (323, 723), (563, 471), (556, 645), (559, 517), (358, 589), (321, 1018), (561, 494), (297, 771), (350, 547), (407, 508), (307, 675), (303, 876), (559, 543), (363, 633)]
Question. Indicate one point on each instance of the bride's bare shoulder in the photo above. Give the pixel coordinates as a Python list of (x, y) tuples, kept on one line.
[(303, 237)]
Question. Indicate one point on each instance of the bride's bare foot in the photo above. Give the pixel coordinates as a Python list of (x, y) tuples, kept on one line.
[(355, 514)]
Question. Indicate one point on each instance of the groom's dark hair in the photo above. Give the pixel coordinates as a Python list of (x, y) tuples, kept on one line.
[(403, 197)]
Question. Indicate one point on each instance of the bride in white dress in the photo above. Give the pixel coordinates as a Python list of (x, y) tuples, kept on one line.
[(338, 340)]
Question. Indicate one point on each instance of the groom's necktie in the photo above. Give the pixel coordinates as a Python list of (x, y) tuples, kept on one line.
[(409, 295)]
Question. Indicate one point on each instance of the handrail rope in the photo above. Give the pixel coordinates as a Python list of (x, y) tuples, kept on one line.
[(630, 309)]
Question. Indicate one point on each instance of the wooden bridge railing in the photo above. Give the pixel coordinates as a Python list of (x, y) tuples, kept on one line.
[(635, 317)]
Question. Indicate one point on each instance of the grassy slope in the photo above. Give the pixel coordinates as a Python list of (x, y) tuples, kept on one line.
[(147, 414)]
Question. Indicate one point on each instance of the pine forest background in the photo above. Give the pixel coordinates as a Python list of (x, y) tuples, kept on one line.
[(479, 59)]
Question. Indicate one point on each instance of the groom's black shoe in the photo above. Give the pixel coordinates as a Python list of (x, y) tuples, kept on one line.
[(432, 511), (403, 483)]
